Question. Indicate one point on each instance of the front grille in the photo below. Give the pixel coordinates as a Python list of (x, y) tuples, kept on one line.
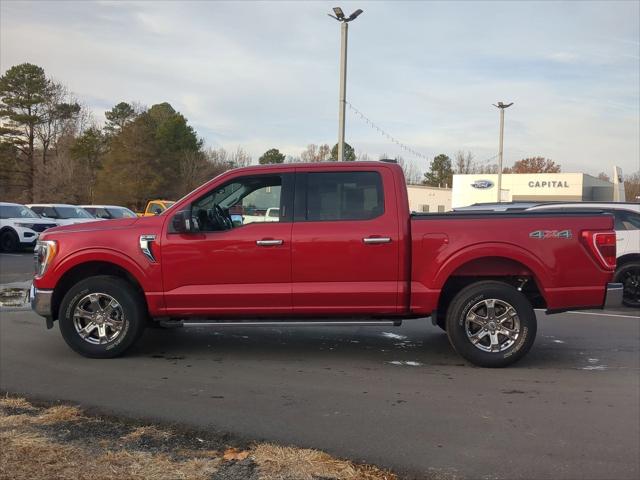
[(41, 227)]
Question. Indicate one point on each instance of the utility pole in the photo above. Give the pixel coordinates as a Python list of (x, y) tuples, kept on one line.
[(502, 107), (342, 103)]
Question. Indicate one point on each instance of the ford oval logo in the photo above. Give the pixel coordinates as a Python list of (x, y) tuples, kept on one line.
[(482, 184)]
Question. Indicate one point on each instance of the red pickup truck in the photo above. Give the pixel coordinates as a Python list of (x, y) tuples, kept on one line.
[(344, 250)]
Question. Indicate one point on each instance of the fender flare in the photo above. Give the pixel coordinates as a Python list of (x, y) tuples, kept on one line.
[(104, 255), (493, 249)]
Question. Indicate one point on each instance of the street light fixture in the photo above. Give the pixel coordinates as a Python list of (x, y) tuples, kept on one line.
[(344, 30), (502, 107)]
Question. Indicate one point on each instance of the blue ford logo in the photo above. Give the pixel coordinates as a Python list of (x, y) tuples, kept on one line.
[(482, 184)]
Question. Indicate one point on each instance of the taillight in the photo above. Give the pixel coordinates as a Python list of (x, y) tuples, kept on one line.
[(602, 246)]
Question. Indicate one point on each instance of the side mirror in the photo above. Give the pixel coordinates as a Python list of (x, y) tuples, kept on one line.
[(181, 222)]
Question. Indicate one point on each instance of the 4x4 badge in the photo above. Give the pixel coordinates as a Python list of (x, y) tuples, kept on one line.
[(545, 234)]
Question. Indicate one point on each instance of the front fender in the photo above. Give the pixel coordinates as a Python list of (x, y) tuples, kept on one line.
[(143, 276)]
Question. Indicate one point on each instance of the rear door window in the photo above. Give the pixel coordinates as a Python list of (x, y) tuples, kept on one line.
[(332, 196)]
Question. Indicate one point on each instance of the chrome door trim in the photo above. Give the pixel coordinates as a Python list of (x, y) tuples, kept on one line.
[(269, 243), (374, 240)]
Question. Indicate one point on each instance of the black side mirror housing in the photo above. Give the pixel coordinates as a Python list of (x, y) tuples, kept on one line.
[(181, 222)]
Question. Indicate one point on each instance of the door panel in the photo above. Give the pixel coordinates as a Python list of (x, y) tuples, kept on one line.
[(334, 270), (236, 268), (227, 272)]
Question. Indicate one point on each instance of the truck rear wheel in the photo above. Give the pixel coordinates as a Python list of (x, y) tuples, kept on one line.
[(102, 316), (491, 324)]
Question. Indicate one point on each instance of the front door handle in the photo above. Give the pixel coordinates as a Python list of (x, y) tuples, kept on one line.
[(369, 240), (268, 243)]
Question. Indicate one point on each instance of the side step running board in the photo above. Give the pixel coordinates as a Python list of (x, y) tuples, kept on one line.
[(293, 323)]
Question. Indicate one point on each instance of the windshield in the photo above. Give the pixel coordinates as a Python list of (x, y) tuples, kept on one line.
[(16, 211), (168, 204), (121, 213), (73, 212)]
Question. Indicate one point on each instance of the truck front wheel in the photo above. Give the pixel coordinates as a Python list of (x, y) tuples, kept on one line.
[(491, 324), (102, 316)]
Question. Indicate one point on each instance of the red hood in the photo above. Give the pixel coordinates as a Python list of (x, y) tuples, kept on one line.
[(92, 226)]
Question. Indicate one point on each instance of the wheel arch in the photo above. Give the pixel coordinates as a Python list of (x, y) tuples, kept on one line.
[(513, 266), (87, 269)]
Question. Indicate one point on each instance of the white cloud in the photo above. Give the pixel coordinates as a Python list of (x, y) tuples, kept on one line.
[(265, 74)]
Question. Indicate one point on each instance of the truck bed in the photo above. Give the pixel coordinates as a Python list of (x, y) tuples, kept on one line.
[(545, 248)]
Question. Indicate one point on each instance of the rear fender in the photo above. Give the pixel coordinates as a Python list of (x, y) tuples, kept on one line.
[(494, 249)]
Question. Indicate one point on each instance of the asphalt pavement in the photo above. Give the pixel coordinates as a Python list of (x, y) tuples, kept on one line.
[(396, 397)]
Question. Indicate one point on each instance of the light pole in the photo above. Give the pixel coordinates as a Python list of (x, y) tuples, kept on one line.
[(502, 107), (344, 30)]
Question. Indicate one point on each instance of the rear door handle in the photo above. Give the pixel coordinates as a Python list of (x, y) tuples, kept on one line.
[(376, 240), (268, 243)]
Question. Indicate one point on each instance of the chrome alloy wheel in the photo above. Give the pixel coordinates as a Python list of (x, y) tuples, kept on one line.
[(98, 318), (492, 325)]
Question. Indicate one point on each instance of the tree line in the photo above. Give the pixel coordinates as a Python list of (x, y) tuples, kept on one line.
[(52, 149)]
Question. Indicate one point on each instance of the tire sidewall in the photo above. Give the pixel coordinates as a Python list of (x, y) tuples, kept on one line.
[(12, 243), (128, 299), (469, 297), (618, 278)]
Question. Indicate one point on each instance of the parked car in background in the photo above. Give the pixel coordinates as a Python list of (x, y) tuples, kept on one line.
[(109, 212), (20, 226), (497, 207), (627, 227), (62, 213), (156, 207)]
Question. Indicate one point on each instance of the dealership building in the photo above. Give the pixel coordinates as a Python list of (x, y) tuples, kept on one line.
[(535, 187), (429, 199)]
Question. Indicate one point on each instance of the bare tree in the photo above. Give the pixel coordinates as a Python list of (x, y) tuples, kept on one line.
[(487, 169), (193, 170), (314, 153), (464, 163), (604, 176), (240, 158), (363, 157), (60, 111), (632, 187), (412, 174)]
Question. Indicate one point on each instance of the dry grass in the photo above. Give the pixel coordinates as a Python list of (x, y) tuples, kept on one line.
[(15, 402), (30, 451), (58, 414), (146, 431), (30, 456), (287, 463)]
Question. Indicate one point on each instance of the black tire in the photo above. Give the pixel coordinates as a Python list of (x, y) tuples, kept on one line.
[(131, 305), (9, 241), (470, 301), (629, 275)]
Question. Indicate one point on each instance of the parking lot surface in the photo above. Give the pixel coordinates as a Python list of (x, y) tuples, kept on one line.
[(396, 397)]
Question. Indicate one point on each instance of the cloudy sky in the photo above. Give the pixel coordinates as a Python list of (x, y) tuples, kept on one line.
[(265, 74)]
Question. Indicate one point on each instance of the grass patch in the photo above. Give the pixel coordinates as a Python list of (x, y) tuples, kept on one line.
[(63, 442)]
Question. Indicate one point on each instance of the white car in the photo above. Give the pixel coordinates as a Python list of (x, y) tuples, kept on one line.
[(627, 227), (63, 214), (20, 226), (108, 212)]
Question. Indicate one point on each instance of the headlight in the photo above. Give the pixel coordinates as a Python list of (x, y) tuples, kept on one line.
[(45, 252)]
